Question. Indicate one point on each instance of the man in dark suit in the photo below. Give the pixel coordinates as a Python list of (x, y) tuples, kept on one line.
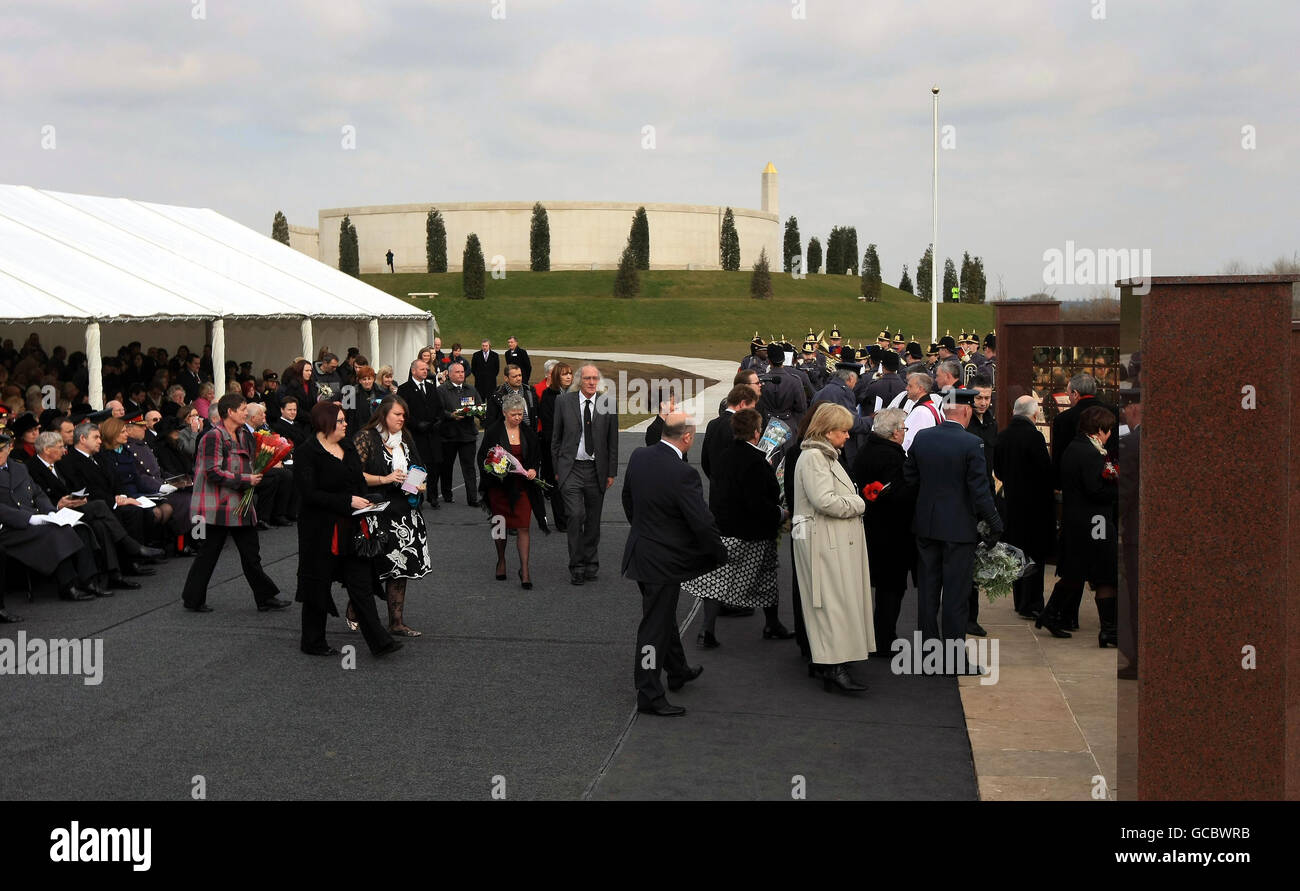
[(85, 471), (190, 379), (946, 464), (1021, 461), (115, 549), (485, 365), (424, 415), (516, 355), (584, 453), (673, 538), (717, 435), (783, 396), (1082, 393), (458, 434)]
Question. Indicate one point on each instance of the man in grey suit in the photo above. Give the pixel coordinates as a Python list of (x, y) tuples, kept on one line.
[(584, 452)]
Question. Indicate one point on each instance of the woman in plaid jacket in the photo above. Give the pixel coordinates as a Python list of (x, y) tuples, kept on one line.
[(222, 471)]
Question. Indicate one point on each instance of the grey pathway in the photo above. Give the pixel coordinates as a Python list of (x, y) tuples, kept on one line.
[(533, 687)]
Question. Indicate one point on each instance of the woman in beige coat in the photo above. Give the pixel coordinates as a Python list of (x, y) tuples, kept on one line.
[(830, 552)]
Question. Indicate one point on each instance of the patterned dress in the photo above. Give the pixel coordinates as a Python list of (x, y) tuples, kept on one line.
[(407, 556)]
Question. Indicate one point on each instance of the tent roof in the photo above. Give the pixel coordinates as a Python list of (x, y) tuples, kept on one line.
[(72, 258)]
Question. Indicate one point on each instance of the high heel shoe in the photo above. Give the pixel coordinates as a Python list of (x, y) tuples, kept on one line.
[(838, 676), (1052, 623), (501, 576), (706, 640), (777, 632), (348, 617), (526, 585)]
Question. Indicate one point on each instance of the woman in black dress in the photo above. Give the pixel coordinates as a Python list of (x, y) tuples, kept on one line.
[(327, 472), (515, 498), (1089, 499), (559, 381), (297, 381), (387, 453)]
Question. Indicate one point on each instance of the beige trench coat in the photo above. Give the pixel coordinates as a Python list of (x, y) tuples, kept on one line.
[(830, 556)]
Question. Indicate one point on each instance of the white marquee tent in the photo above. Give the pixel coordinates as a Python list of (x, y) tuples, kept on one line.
[(107, 271)]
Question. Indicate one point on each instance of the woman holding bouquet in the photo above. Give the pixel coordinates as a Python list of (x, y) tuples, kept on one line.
[(387, 454), (327, 472), (513, 496), (1089, 547)]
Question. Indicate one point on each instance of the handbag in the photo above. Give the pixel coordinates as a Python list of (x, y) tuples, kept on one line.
[(368, 543)]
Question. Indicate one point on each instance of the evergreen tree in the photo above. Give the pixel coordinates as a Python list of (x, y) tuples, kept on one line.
[(792, 247), (981, 283), (850, 252), (473, 272), (280, 228), (349, 253), (435, 241), (924, 271), (539, 240), (760, 283), (729, 243), (905, 283), (627, 283), (814, 255), (949, 278), (871, 281), (964, 280), (640, 238), (835, 252)]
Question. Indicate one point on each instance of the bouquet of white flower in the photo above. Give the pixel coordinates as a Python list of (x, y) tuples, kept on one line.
[(999, 567)]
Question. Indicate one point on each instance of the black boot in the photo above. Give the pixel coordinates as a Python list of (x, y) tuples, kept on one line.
[(1106, 613), (1051, 617)]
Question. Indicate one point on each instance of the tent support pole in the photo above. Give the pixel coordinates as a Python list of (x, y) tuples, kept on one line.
[(219, 356), (95, 361), (429, 329), (307, 346), (373, 355)]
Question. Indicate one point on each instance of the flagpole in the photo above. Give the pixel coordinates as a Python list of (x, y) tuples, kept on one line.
[(934, 255)]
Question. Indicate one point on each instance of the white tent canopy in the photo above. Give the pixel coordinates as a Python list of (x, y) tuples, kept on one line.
[(112, 271)]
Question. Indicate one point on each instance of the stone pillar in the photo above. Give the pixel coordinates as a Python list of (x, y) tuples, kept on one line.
[(1219, 605), (1015, 362)]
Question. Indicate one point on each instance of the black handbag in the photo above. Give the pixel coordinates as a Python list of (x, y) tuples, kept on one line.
[(370, 543)]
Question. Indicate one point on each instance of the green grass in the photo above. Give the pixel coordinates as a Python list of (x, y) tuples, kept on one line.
[(705, 314)]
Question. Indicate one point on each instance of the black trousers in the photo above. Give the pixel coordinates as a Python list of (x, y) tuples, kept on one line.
[(250, 557), (944, 573), (80, 567), (109, 533), (451, 451), (800, 630), (1066, 597), (584, 498), (888, 604), (658, 632), (359, 581), (1027, 593), (548, 474)]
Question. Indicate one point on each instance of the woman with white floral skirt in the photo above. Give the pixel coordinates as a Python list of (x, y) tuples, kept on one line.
[(387, 455)]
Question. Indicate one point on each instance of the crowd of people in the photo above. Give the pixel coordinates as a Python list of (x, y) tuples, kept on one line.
[(894, 466)]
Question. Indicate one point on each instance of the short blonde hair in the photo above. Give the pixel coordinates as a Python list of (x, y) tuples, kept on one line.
[(829, 417), (383, 370)]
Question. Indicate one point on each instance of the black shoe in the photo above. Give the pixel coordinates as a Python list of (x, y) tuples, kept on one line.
[(274, 603), (280, 521), (262, 526), (663, 708), (320, 651), (151, 554), (501, 576), (706, 640), (737, 611), (391, 647), (137, 569), (682, 681), (73, 592), (116, 581), (8, 618), (474, 503), (975, 629), (201, 608), (589, 574), (838, 676), (449, 499), (575, 578), (434, 505), (777, 632), (561, 527), (527, 586), (1052, 623), (97, 590), (1032, 615)]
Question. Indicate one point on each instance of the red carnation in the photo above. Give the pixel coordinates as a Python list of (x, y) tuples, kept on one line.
[(871, 491)]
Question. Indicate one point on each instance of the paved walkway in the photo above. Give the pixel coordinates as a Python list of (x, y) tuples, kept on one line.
[(703, 405)]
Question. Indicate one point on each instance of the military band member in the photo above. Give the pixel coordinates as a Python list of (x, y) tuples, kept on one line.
[(899, 345), (812, 367), (884, 339), (782, 396), (757, 358), (837, 341)]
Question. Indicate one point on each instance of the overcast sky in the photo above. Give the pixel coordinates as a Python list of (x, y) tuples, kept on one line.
[(1124, 132)]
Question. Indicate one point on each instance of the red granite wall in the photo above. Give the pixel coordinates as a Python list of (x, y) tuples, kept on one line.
[(1219, 504), (1017, 338)]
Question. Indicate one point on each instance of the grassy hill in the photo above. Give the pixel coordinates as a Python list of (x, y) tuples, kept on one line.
[(707, 314)]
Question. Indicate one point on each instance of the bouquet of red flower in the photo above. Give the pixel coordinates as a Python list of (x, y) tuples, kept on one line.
[(499, 463), (871, 491), (1110, 471), (270, 450)]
